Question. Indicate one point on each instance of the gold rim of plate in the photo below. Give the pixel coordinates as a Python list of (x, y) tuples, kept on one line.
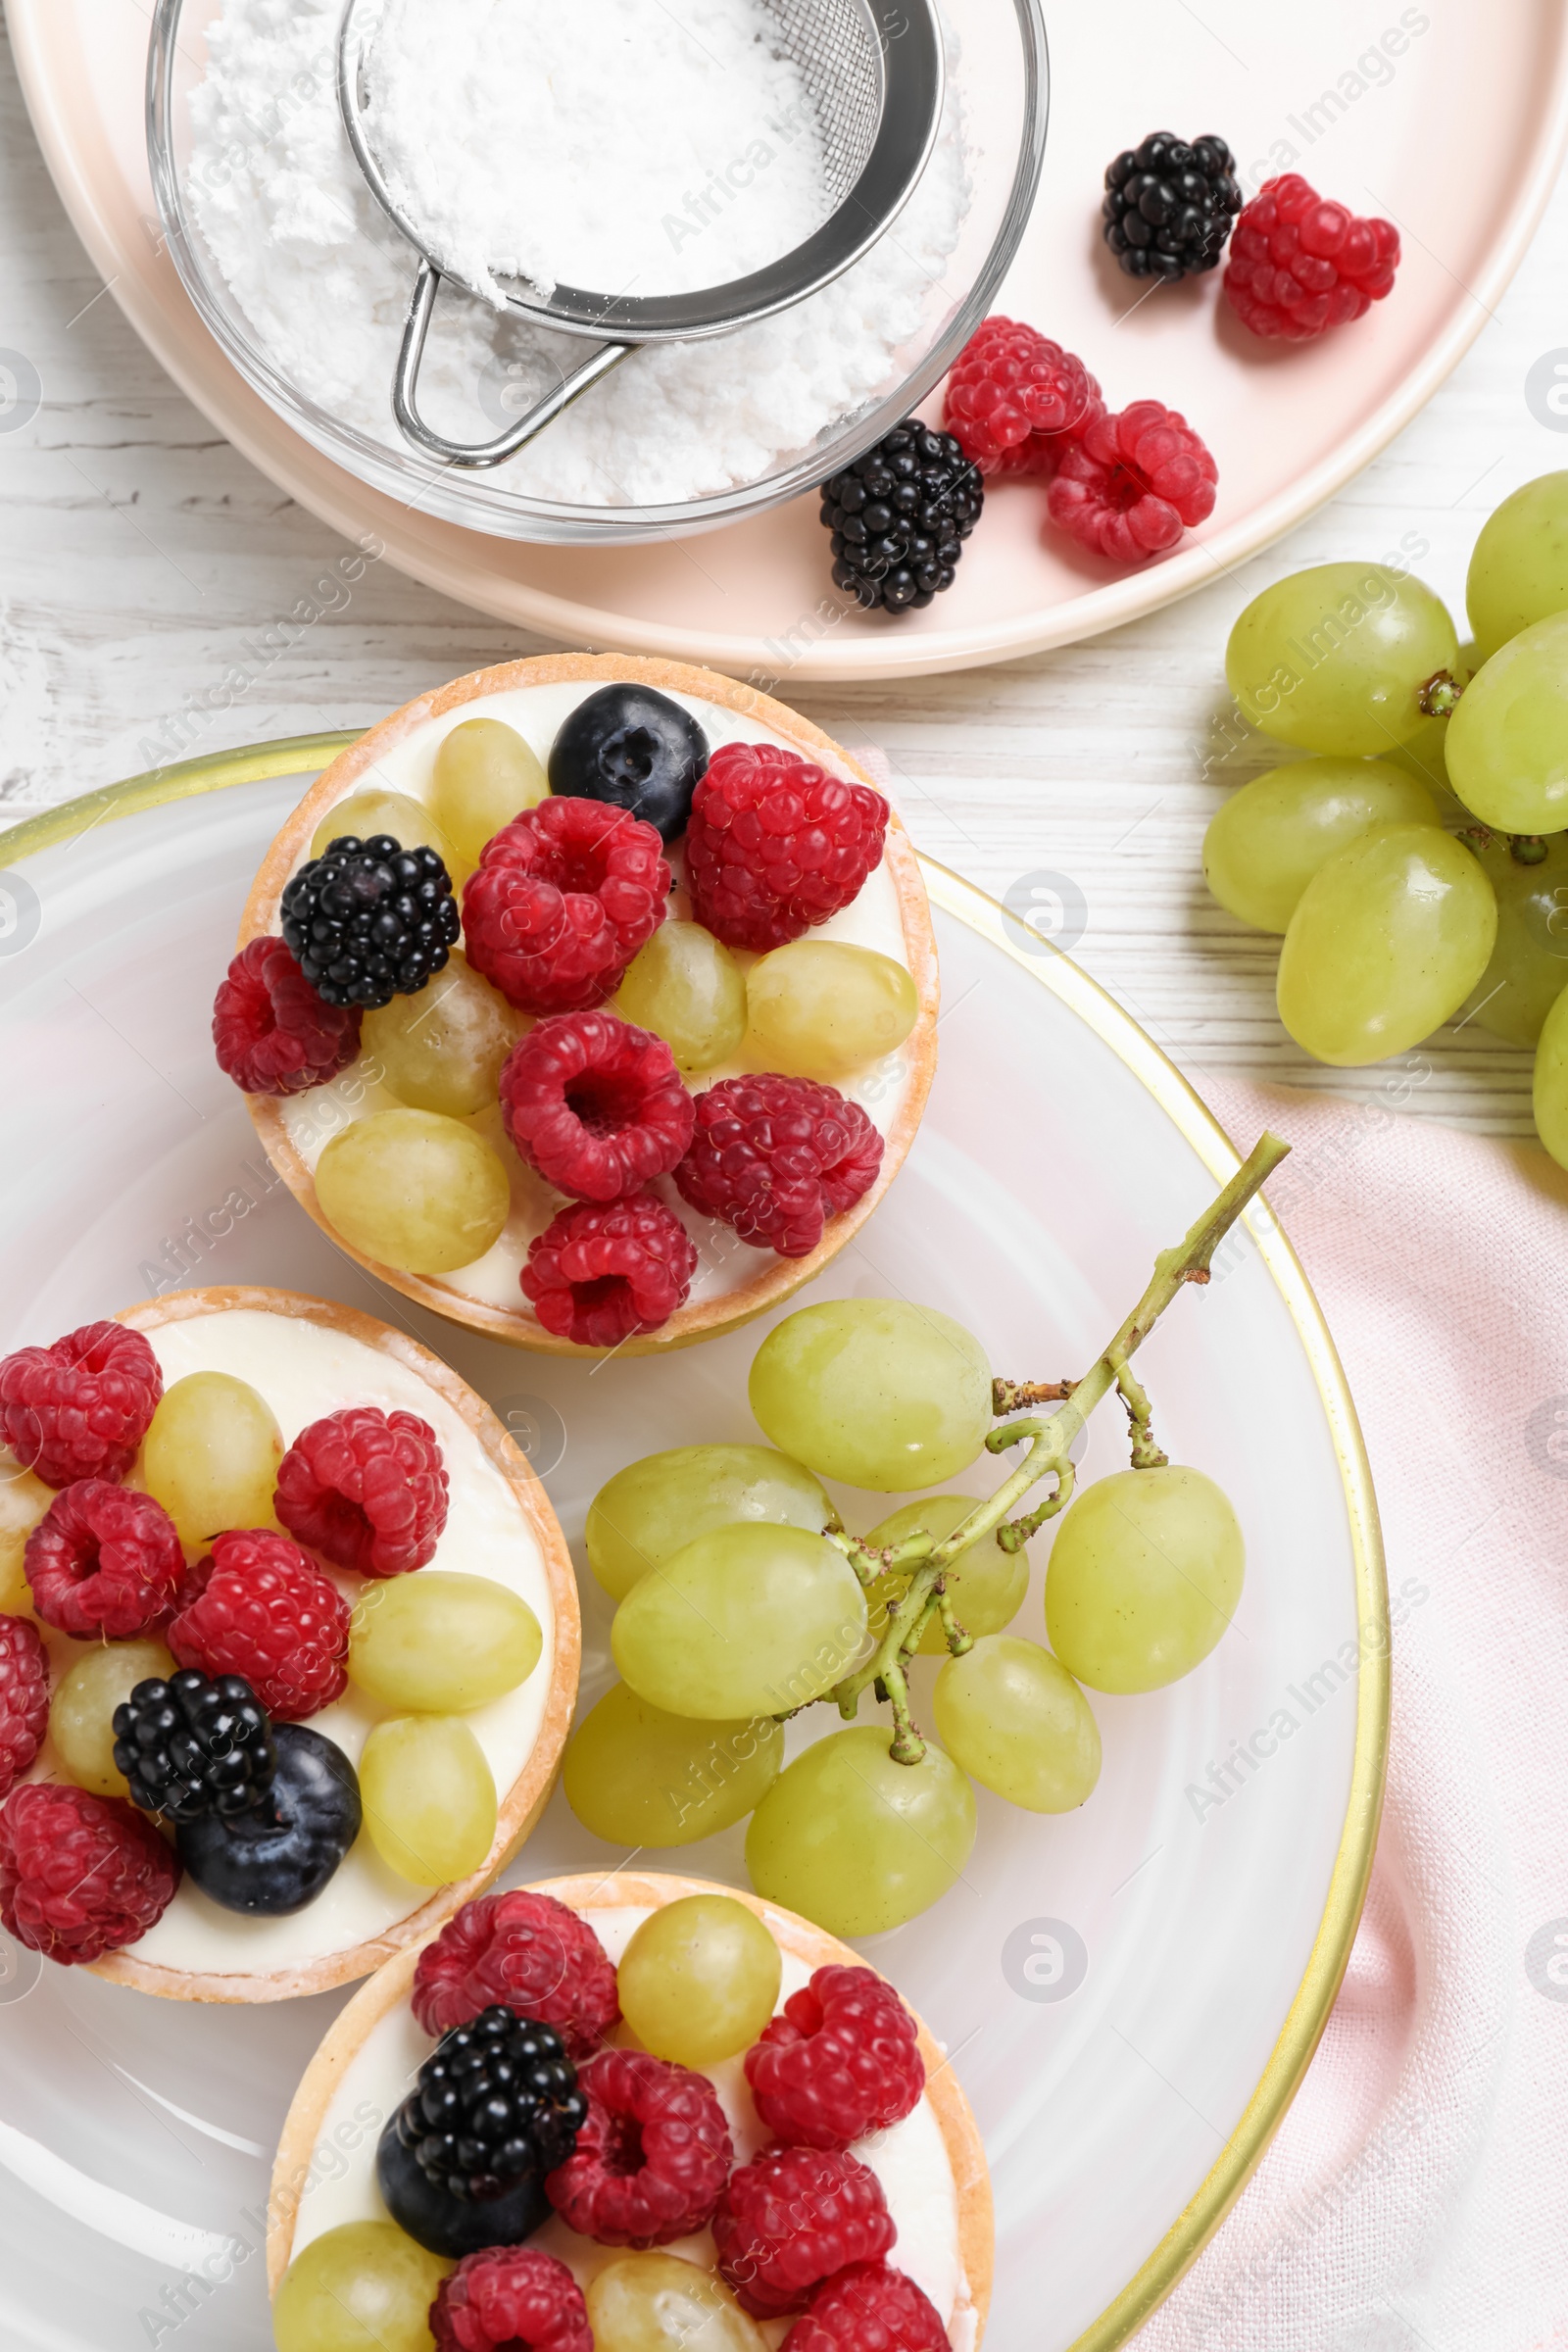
[(1189, 2233)]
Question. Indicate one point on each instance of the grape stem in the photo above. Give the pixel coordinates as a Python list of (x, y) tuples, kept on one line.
[(1439, 698), (926, 1596), (1525, 848)]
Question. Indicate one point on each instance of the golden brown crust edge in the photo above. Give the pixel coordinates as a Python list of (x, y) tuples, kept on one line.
[(780, 1278), (301, 2126), (528, 1794)]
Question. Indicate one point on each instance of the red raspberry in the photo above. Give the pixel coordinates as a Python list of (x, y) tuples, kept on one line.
[(366, 1490), (562, 898), (775, 1157), (1134, 482), (81, 1408), (1299, 265), (527, 1953), (652, 2158), (81, 1875), (597, 1274), (273, 1034), (508, 2297), (1015, 399), (596, 1106), (868, 2307), (260, 1607), (104, 1563), (776, 845), (24, 1698), (843, 2060), (793, 2217)]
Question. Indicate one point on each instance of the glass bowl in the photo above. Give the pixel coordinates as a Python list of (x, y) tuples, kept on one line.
[(998, 71)]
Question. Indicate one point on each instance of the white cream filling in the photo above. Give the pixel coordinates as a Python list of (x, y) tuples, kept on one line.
[(724, 1263), (305, 1371), (911, 2160)]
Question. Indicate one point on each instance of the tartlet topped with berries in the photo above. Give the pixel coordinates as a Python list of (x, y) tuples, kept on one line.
[(630, 2112), (289, 1646), (590, 1001)]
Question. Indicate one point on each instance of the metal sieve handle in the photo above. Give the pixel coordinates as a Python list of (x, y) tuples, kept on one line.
[(474, 457)]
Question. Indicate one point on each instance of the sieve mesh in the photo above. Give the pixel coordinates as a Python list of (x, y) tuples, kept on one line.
[(831, 43), (877, 106)]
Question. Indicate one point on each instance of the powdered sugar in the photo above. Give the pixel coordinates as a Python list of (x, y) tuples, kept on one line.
[(571, 145), (325, 281)]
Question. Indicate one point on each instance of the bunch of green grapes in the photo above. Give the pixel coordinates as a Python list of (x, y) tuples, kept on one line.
[(742, 1600), (1416, 865)]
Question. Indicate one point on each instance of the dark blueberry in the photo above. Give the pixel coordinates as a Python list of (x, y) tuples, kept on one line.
[(279, 1858), (899, 518), (448, 2224), (192, 1747), (1169, 207), (635, 748), (368, 921)]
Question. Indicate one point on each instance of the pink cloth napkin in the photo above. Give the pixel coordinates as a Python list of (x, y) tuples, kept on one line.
[(1417, 2191)]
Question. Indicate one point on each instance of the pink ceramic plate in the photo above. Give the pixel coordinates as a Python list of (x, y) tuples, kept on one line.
[(1450, 120)]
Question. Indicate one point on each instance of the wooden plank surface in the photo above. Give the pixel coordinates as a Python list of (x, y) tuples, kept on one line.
[(149, 576)]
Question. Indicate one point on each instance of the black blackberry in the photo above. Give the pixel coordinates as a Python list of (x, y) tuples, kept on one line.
[(899, 516), (1169, 205), (368, 921), (191, 1746), (498, 2099)]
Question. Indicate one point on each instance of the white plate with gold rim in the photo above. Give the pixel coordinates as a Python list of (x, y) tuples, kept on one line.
[(1130, 1993)]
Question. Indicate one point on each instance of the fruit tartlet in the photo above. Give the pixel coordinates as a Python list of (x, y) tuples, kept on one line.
[(589, 1002), (289, 1646), (629, 2113)]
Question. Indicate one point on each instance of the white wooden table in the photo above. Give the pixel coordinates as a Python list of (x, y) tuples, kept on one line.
[(141, 557)]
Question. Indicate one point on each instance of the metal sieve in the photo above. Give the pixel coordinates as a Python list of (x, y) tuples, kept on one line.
[(875, 84)]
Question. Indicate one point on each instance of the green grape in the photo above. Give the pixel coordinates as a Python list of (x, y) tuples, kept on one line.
[(646, 1511), (700, 1980), (1529, 968), (1267, 841), (485, 774), (1143, 1577), (415, 1190), (1508, 738), (636, 1774), (747, 1620), (23, 1500), (82, 1711), (819, 1007), (1011, 1714), (875, 1392), (1390, 936), (985, 1583), (429, 1797), (857, 1843), (1551, 1083), (361, 2287), (211, 1456), (440, 1643), (1519, 570), (1335, 658), (660, 2303), (370, 811), (688, 989), (443, 1048)]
